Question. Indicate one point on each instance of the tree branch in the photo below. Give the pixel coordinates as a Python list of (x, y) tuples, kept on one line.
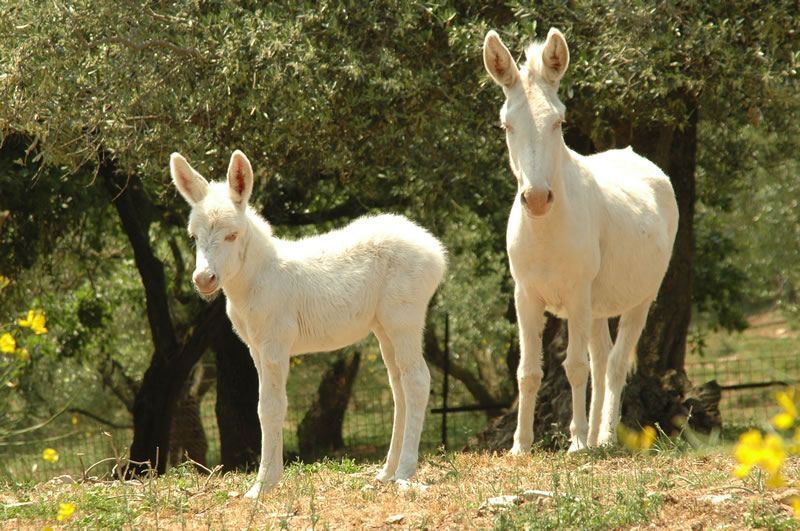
[(99, 419)]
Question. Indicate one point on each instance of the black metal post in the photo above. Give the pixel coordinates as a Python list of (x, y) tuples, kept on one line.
[(445, 382)]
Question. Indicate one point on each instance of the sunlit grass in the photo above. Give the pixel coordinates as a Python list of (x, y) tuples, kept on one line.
[(667, 485)]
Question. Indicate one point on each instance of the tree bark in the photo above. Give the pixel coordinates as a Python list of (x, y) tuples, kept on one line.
[(237, 402), (172, 360), (657, 390)]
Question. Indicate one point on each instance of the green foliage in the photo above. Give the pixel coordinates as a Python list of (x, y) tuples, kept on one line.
[(719, 282), (351, 107)]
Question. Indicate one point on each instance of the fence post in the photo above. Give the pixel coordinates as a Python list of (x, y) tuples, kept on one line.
[(445, 380)]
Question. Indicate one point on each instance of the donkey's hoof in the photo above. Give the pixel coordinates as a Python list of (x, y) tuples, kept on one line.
[(577, 445), (519, 450), (259, 488), (607, 439), (254, 491), (384, 476), (404, 473)]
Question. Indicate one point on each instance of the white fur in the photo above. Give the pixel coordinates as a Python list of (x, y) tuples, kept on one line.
[(317, 294), (588, 238)]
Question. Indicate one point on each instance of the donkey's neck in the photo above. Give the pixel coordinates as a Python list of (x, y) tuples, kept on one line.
[(257, 254)]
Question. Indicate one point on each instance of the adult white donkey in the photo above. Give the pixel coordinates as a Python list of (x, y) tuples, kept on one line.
[(321, 293), (588, 238)]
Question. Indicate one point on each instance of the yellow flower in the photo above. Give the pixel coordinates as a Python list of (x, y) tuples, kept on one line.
[(50, 455), (786, 419), (783, 421), (742, 471), (767, 452), (794, 501), (7, 343), (65, 510), (35, 322), (74, 419), (634, 440), (4, 282), (22, 354)]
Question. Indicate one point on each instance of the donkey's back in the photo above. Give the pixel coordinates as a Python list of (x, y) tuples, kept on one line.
[(339, 286)]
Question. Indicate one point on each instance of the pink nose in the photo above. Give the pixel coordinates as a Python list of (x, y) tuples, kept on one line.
[(537, 200), (205, 281)]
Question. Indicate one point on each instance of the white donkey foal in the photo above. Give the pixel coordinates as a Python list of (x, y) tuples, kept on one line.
[(322, 293), (588, 238)]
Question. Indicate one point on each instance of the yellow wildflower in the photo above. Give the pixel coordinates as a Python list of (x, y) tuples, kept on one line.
[(35, 322), (74, 419), (65, 510), (794, 501), (787, 417), (50, 455), (4, 282), (767, 452), (7, 343), (783, 421), (22, 354), (634, 440)]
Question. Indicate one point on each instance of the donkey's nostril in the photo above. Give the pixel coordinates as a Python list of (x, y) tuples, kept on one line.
[(205, 281), (537, 201)]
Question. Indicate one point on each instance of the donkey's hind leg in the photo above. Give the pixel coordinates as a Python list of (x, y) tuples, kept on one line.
[(600, 345), (403, 326), (398, 426), (620, 360), (416, 380)]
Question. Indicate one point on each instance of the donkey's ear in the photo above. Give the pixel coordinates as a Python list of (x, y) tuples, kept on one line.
[(555, 56), (498, 61), (240, 178), (192, 186)]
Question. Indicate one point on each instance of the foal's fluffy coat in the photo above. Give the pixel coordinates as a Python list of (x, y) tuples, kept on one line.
[(317, 294)]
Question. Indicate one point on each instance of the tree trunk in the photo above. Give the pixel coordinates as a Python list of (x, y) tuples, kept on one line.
[(658, 389), (320, 432), (188, 438), (237, 402), (171, 361)]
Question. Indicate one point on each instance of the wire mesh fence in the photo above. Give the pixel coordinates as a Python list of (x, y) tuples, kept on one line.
[(748, 384), (367, 425)]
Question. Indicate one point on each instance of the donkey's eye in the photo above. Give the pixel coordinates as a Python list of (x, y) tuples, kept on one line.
[(231, 237), (192, 236)]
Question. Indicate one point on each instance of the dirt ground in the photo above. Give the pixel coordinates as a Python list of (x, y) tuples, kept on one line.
[(680, 489)]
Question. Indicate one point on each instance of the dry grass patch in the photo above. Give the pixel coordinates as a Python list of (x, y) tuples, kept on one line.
[(600, 489)]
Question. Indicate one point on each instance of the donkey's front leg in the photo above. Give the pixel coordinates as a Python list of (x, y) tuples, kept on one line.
[(273, 370), (577, 368), (530, 315)]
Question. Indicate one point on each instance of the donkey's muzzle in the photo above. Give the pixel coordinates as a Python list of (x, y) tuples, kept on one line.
[(537, 201), (206, 282)]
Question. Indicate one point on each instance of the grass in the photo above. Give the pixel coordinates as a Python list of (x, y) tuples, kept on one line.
[(672, 486), (675, 485)]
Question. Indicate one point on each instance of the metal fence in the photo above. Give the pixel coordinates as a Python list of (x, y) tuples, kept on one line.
[(367, 425), (748, 385)]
